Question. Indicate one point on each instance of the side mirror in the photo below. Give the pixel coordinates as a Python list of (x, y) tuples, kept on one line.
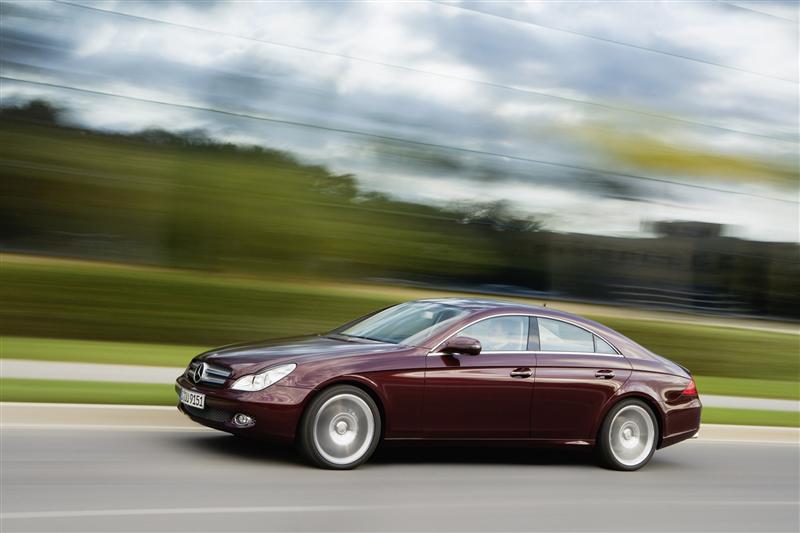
[(462, 345)]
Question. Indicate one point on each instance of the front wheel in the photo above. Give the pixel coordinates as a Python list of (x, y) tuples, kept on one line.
[(340, 428), (628, 436)]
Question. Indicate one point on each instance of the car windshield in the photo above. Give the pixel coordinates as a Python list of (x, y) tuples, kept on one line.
[(408, 323)]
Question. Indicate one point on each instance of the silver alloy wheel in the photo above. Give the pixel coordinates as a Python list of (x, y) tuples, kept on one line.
[(343, 429), (631, 435)]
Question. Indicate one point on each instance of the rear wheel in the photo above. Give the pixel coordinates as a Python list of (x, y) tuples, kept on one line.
[(628, 436), (340, 428)]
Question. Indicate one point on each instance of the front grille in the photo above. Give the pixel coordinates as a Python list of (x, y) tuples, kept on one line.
[(213, 414), (212, 374)]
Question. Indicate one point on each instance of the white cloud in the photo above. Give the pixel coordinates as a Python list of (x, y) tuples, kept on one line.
[(164, 62)]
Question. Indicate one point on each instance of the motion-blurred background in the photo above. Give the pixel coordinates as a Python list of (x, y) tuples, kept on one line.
[(180, 175)]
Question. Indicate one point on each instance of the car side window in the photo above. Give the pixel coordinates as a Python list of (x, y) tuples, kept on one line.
[(558, 336), (601, 346), (500, 334)]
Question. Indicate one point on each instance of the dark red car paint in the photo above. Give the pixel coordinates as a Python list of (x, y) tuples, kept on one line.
[(553, 398)]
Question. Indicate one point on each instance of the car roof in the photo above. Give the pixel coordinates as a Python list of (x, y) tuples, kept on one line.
[(485, 304)]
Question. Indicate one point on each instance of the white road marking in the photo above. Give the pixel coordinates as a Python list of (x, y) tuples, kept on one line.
[(343, 508), (188, 510)]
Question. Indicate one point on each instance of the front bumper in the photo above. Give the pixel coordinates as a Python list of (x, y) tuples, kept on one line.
[(276, 409)]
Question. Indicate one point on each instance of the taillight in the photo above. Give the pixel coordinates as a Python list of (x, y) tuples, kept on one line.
[(690, 390)]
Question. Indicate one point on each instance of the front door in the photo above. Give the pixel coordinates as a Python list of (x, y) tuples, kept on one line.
[(486, 395), (577, 373)]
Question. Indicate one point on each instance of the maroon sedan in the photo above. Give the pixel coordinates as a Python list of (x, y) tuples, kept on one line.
[(448, 369)]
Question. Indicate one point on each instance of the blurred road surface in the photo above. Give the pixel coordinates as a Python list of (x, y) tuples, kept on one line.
[(102, 479)]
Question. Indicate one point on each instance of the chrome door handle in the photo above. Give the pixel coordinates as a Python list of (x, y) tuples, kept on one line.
[(604, 374), (521, 373)]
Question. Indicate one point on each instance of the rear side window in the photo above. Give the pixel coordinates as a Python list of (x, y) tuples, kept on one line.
[(558, 336), (601, 346)]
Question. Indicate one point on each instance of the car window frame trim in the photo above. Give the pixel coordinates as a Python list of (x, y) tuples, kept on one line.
[(435, 352)]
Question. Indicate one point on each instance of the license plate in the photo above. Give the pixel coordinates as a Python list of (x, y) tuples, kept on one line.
[(193, 399)]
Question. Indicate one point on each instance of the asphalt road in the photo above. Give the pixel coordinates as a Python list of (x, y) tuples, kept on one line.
[(184, 480)]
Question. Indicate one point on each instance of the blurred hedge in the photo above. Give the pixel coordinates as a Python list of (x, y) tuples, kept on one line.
[(83, 300)]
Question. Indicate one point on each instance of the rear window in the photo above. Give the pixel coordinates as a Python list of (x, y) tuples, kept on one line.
[(601, 346)]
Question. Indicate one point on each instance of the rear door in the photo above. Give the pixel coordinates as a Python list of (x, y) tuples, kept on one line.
[(577, 373)]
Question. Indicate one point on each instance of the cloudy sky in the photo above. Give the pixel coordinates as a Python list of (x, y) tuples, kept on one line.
[(595, 116)]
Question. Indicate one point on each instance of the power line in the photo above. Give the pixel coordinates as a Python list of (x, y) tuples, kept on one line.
[(612, 41), (396, 139), (739, 6), (428, 72)]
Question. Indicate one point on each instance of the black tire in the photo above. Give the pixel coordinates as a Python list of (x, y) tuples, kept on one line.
[(345, 408), (620, 435)]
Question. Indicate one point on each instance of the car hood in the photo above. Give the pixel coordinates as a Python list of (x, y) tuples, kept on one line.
[(261, 354)]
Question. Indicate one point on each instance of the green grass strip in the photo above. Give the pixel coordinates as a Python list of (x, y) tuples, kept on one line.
[(46, 298), (52, 391), (754, 388), (750, 417), (107, 352)]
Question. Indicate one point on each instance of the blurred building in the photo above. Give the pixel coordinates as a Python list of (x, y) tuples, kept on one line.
[(689, 266)]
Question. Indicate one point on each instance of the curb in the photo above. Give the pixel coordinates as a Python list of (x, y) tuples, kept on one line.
[(758, 434)]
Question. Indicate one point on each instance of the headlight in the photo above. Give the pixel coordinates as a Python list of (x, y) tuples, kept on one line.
[(254, 382)]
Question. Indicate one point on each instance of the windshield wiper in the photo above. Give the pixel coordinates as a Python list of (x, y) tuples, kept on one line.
[(363, 337), (348, 336)]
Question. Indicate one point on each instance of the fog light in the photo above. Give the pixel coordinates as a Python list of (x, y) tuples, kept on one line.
[(241, 420)]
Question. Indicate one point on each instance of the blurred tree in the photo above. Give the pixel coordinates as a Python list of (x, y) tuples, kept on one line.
[(184, 200), (35, 111)]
